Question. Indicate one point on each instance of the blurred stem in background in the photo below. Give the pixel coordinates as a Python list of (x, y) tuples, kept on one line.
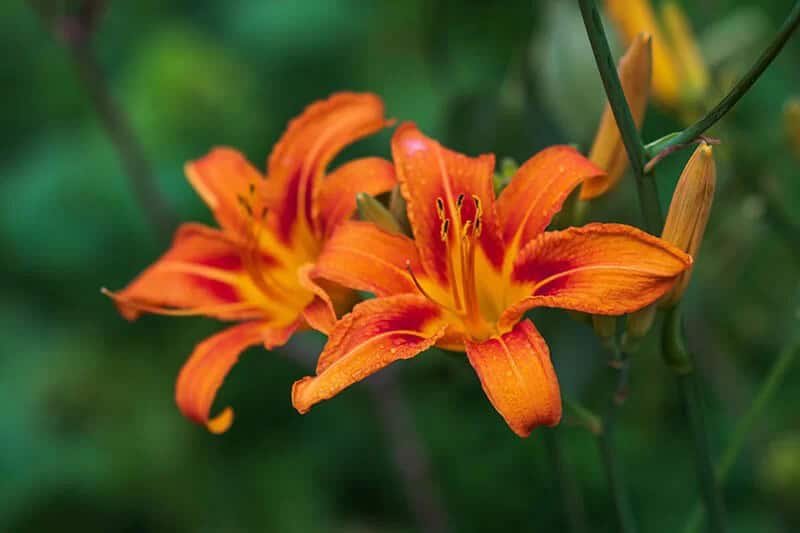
[(75, 32), (680, 360), (409, 455), (574, 511), (408, 452), (616, 479), (763, 397)]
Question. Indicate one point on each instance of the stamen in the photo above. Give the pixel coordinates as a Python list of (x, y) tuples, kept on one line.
[(245, 204), (424, 292), (476, 221), (440, 207)]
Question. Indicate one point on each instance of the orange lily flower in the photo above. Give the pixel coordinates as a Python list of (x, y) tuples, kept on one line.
[(474, 267), (254, 270)]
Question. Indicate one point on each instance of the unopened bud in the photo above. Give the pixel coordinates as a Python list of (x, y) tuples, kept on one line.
[(686, 51), (689, 212), (397, 207), (372, 210), (608, 150), (791, 117)]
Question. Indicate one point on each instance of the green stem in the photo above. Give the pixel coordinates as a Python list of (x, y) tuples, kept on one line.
[(739, 90), (764, 396), (606, 440), (679, 359), (645, 184), (571, 497)]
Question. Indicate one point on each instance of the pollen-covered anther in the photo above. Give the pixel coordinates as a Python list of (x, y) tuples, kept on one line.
[(444, 229), (440, 208), (476, 221)]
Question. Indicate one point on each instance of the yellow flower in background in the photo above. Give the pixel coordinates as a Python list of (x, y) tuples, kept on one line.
[(680, 75), (608, 150)]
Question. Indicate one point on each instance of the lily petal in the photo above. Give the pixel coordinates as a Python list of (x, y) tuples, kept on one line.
[(429, 174), (203, 374), (362, 256), (375, 334), (225, 179), (337, 193), (310, 142), (330, 300), (202, 273), (538, 190), (604, 269), (518, 377)]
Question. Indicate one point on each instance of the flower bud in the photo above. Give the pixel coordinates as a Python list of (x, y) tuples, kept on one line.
[(689, 212), (684, 46), (372, 210), (791, 117), (608, 150), (634, 16), (397, 207)]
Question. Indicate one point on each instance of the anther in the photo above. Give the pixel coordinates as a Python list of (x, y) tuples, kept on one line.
[(440, 207), (252, 188), (445, 227), (245, 204), (460, 200), (477, 201)]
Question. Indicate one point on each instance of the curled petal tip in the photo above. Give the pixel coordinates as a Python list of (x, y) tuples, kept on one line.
[(299, 402), (221, 423)]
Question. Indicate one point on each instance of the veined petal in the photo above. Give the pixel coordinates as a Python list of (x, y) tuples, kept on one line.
[(375, 334), (203, 374), (228, 184), (337, 193), (604, 269), (430, 174), (537, 192), (518, 377), (362, 256), (202, 273), (310, 142)]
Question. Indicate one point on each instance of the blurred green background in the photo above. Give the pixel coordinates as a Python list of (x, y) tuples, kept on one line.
[(91, 439)]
